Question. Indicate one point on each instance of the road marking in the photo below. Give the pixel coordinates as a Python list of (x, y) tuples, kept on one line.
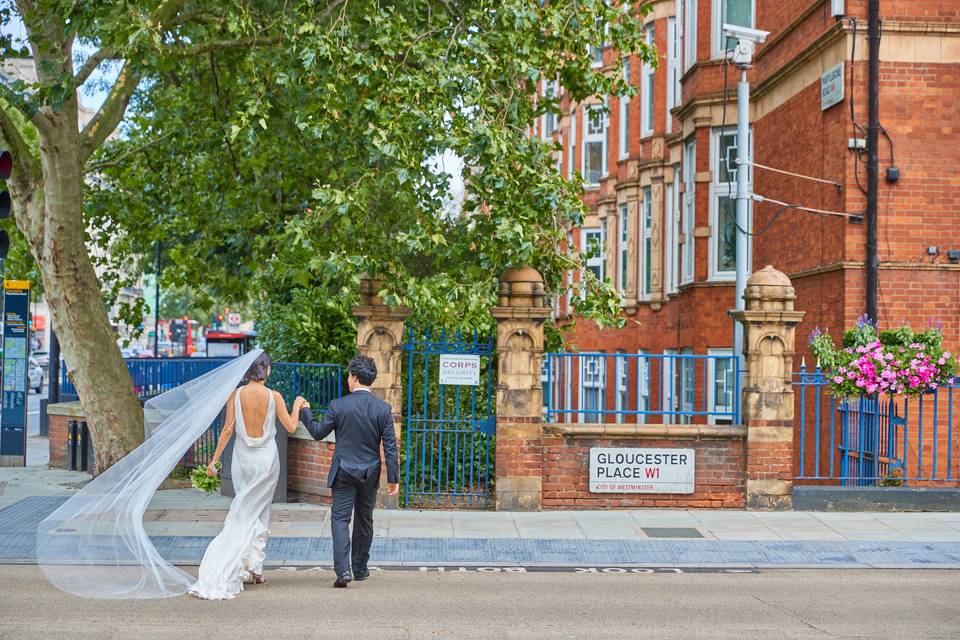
[(534, 569)]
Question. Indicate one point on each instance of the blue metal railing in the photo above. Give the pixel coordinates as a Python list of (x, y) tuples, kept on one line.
[(318, 383), (873, 440), (151, 377), (663, 388)]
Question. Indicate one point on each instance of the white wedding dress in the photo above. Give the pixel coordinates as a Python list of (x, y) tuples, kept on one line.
[(240, 549)]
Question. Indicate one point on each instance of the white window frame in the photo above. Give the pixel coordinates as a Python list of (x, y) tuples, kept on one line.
[(673, 70), (724, 190), (596, 385), (689, 211), (598, 260), (623, 239), (550, 120), (669, 389), (686, 391), (643, 384), (572, 147), (592, 138), (645, 244), (624, 118), (647, 100), (596, 56), (671, 227), (717, 40), (622, 382), (689, 34), (711, 387)]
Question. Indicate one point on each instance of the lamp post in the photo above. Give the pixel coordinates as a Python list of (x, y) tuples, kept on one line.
[(742, 58)]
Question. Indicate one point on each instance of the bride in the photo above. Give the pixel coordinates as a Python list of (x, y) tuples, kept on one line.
[(95, 544), (236, 555)]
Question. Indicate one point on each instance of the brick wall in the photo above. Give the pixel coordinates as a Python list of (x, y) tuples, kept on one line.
[(308, 463), (58, 441), (719, 481)]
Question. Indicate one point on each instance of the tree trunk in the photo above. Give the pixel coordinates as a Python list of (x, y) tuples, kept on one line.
[(87, 341)]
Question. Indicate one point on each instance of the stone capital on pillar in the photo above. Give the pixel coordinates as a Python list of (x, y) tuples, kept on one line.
[(520, 315), (769, 326), (380, 336)]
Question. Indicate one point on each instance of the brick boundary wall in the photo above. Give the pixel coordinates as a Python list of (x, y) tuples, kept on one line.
[(308, 463), (720, 480)]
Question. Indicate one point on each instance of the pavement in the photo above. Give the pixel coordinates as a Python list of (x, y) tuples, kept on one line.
[(183, 521), (468, 605)]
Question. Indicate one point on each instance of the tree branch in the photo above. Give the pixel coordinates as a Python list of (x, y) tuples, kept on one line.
[(216, 45), (110, 113), (112, 162), (92, 63)]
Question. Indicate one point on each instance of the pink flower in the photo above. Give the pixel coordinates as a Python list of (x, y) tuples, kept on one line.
[(838, 379)]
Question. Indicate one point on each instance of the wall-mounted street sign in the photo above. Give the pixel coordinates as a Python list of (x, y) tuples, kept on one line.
[(628, 470), (460, 369), (831, 87), (16, 340)]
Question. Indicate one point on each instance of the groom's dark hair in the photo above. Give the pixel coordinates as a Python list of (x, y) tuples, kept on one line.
[(258, 370), (364, 368)]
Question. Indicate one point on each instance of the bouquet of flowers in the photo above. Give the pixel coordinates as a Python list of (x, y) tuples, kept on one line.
[(200, 480), (895, 362)]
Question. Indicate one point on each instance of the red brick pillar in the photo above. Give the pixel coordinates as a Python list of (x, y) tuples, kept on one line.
[(380, 336), (520, 315), (769, 323)]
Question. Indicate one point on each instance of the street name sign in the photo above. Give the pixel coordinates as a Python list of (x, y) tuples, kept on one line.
[(629, 470), (831, 87)]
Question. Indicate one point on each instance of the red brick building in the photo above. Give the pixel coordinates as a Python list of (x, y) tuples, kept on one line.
[(660, 167)]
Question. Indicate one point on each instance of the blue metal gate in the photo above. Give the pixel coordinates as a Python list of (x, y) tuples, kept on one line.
[(448, 430)]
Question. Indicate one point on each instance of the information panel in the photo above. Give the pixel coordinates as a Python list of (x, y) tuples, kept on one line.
[(16, 340), (618, 470)]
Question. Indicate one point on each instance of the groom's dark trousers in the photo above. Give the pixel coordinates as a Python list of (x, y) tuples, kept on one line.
[(362, 423)]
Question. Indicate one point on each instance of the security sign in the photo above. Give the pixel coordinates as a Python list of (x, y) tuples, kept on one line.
[(460, 369)]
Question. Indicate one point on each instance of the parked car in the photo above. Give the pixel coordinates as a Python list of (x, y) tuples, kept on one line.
[(35, 372), (42, 358)]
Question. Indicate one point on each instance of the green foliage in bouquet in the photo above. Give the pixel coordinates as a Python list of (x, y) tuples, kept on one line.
[(894, 361), (200, 480)]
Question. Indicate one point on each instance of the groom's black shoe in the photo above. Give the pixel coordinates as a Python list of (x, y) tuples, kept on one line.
[(360, 576), (343, 580)]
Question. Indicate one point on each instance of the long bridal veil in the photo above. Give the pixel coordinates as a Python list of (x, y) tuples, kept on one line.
[(95, 544)]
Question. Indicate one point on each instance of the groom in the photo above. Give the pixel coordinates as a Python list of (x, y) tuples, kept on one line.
[(362, 422)]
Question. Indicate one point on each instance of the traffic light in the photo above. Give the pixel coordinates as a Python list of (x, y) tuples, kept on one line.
[(6, 168)]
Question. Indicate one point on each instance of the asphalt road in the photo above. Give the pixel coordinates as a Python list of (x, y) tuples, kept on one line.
[(779, 604)]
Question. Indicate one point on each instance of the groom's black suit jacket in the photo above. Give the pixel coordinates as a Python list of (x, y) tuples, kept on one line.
[(362, 421)]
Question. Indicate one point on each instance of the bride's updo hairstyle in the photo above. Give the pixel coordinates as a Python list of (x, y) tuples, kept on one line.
[(259, 369)]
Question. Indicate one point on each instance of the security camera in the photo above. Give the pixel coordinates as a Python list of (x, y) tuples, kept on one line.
[(745, 33), (747, 40)]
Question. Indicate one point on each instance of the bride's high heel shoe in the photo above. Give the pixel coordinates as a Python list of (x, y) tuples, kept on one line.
[(258, 578)]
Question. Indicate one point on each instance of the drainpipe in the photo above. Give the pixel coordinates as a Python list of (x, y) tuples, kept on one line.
[(873, 135)]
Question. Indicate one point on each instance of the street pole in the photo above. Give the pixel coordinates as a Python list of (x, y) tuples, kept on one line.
[(156, 309), (873, 170), (743, 206)]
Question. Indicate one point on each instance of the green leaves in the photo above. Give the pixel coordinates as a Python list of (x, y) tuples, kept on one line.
[(290, 170)]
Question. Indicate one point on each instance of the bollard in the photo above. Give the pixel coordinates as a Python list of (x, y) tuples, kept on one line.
[(84, 444), (72, 445)]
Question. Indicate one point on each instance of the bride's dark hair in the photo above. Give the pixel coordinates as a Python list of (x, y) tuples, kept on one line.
[(258, 370)]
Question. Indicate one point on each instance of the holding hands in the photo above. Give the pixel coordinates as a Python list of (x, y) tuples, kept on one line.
[(300, 403)]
